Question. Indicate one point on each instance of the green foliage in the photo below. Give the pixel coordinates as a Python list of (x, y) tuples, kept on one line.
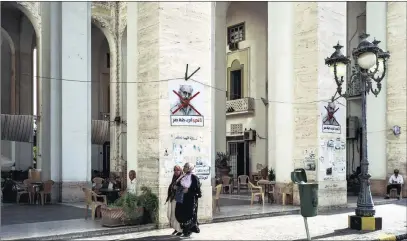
[(150, 202), (222, 160), (130, 204), (272, 175), (34, 152)]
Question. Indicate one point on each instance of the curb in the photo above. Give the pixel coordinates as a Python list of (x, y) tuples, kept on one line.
[(393, 237), (94, 233), (148, 227)]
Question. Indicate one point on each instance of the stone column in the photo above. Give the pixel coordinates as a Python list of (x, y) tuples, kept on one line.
[(319, 144), (219, 81), (132, 88), (396, 88), (116, 157), (281, 90), (76, 98), (171, 35), (376, 106)]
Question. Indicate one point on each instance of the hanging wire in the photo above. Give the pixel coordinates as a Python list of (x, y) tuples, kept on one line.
[(180, 78)]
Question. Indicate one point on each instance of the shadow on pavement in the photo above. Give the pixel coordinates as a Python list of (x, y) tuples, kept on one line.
[(335, 233), (156, 237)]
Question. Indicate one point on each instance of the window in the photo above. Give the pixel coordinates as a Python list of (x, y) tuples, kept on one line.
[(236, 33), (108, 60), (236, 83)]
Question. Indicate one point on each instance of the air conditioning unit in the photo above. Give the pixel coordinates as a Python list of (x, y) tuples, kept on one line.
[(249, 135), (233, 46), (352, 127)]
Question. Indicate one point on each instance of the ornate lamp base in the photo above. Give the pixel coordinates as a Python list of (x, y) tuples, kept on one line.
[(364, 223)]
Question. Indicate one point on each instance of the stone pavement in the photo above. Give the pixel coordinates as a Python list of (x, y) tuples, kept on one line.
[(329, 225)]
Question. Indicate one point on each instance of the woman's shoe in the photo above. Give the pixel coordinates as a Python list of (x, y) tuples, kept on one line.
[(175, 232)]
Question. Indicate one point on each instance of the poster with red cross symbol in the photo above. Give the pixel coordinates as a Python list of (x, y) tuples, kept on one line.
[(187, 103)]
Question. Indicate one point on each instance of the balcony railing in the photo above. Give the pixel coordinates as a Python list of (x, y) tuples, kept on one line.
[(240, 106)]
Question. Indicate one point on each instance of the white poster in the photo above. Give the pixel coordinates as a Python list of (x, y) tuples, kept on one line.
[(331, 121), (187, 103)]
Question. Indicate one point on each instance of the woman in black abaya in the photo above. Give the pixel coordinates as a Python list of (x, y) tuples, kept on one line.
[(187, 194)]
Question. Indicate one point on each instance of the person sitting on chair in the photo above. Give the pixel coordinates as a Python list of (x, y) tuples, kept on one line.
[(395, 181)]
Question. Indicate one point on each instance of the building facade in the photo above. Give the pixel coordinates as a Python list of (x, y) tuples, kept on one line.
[(110, 90)]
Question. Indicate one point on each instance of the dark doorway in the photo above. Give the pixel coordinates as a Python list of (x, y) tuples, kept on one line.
[(106, 159), (236, 85), (240, 159)]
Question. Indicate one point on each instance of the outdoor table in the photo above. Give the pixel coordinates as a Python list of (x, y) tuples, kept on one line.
[(267, 187), (111, 194)]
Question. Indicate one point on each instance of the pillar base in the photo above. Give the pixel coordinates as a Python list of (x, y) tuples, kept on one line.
[(364, 223)]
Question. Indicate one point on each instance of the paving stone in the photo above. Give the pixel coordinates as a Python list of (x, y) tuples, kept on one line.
[(329, 225)]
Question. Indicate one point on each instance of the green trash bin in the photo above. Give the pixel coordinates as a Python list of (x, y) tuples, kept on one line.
[(308, 193), (308, 199), (308, 196)]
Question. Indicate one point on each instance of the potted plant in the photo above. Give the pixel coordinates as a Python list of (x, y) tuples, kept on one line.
[(271, 175), (149, 201), (126, 210), (222, 164)]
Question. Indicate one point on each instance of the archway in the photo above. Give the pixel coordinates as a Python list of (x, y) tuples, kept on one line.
[(101, 60), (244, 70), (18, 42)]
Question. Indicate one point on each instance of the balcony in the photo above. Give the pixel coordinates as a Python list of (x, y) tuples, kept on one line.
[(240, 106)]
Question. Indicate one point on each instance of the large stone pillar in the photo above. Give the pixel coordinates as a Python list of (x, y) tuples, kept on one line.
[(396, 88), (281, 90), (76, 98), (171, 35), (219, 81), (319, 144), (132, 88), (376, 106), (51, 36)]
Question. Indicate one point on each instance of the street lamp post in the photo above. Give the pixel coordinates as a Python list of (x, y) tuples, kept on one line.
[(370, 66)]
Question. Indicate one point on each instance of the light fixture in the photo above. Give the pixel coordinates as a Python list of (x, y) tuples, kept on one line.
[(370, 67)]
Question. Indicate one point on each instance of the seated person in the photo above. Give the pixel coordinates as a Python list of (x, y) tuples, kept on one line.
[(131, 188), (395, 181)]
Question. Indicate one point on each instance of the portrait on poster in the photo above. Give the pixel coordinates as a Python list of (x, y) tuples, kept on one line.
[(186, 103)]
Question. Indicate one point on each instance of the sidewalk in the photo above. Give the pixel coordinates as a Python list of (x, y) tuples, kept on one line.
[(330, 225)]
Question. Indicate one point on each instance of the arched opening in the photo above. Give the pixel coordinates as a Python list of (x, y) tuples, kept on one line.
[(18, 42), (245, 30), (100, 101)]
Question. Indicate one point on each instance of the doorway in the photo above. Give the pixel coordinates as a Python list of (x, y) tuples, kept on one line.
[(241, 167)]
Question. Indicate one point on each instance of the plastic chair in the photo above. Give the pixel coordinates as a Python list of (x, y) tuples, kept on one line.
[(242, 180), (47, 190), (98, 184), (216, 204), (90, 200), (227, 183), (256, 191), (26, 188)]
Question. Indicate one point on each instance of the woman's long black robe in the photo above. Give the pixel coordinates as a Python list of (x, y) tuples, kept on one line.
[(186, 212)]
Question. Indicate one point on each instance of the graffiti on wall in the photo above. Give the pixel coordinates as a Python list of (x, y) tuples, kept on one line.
[(332, 162), (309, 160), (188, 148)]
